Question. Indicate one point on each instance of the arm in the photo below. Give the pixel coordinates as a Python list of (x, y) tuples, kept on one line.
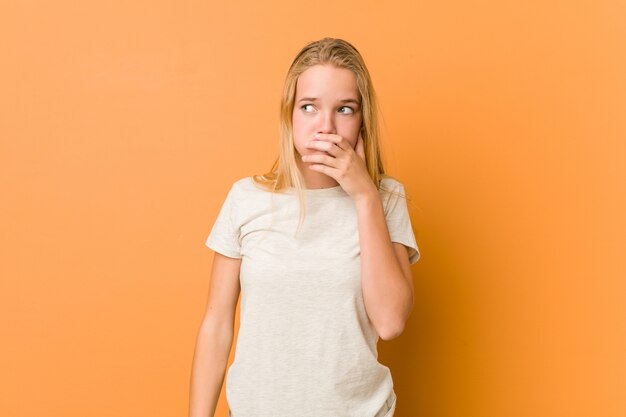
[(215, 337), (386, 276)]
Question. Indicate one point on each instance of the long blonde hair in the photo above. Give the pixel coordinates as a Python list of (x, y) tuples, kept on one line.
[(341, 54)]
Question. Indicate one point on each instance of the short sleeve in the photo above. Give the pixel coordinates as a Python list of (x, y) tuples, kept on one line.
[(399, 222), (224, 236)]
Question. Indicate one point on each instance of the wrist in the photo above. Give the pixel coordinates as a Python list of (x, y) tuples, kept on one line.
[(368, 198)]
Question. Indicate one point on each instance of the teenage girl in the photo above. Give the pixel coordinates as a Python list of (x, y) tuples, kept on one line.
[(320, 249)]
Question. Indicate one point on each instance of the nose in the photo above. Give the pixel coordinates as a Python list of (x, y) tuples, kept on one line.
[(327, 123)]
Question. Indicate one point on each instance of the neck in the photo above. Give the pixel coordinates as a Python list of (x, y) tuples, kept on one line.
[(314, 179)]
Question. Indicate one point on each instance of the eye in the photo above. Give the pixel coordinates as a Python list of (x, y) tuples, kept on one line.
[(303, 107), (350, 108)]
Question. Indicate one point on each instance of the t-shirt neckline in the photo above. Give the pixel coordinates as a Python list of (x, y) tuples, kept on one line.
[(329, 191)]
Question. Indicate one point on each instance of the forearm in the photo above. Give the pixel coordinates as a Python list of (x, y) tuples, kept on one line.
[(387, 295), (209, 366)]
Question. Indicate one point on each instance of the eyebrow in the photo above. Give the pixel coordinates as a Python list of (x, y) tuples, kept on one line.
[(345, 100)]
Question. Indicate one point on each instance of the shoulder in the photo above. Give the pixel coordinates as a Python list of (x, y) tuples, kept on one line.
[(241, 184), (390, 185), (242, 181), (250, 185), (391, 192), (245, 189), (389, 181)]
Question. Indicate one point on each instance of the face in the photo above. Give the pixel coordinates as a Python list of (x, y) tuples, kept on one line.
[(327, 101)]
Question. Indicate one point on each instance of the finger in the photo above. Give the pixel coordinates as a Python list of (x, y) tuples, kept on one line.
[(321, 159), (331, 172), (330, 137), (323, 145)]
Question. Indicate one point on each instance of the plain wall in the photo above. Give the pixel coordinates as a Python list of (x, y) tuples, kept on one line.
[(123, 124)]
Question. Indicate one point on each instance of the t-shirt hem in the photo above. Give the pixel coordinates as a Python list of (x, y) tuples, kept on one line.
[(224, 251), (414, 254)]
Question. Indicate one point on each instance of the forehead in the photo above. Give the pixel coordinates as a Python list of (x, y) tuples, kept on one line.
[(327, 82)]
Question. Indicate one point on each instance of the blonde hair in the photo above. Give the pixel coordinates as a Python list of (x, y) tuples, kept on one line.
[(341, 54)]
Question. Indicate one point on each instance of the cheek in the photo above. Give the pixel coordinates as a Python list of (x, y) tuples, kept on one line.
[(352, 131), (301, 128), (299, 132), (299, 121)]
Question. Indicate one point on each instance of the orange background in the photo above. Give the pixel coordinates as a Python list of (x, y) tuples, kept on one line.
[(123, 124)]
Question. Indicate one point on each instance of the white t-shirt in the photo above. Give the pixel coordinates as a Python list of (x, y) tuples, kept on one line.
[(305, 346)]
